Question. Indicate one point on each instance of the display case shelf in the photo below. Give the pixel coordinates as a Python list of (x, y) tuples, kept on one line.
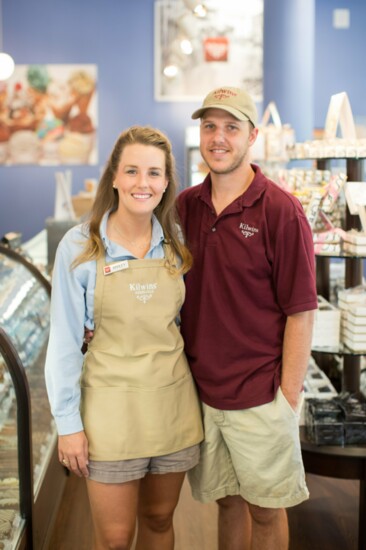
[(341, 350), (31, 478), (337, 461)]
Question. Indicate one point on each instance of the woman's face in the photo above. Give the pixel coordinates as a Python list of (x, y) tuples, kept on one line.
[(140, 179)]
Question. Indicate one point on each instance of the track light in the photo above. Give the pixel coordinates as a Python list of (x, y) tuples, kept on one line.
[(197, 7), (188, 25), (6, 62), (172, 67), (6, 66), (186, 46)]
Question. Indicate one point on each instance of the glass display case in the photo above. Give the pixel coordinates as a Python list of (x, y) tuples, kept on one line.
[(31, 479)]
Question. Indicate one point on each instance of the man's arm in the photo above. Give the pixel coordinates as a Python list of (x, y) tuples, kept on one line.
[(296, 353)]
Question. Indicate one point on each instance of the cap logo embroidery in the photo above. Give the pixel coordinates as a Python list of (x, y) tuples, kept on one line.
[(223, 94), (247, 230)]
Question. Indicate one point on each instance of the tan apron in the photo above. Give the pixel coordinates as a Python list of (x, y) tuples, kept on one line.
[(138, 395)]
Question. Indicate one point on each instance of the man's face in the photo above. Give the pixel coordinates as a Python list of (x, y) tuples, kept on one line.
[(224, 141)]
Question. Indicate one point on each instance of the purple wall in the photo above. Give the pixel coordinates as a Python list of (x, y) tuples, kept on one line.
[(118, 36)]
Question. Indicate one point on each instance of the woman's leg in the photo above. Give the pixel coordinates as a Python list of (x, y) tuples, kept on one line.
[(158, 498), (113, 509)]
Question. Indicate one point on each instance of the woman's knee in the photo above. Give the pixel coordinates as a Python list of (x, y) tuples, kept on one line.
[(158, 522), (119, 538)]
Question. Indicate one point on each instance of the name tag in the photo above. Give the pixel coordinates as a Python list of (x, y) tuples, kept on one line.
[(112, 268)]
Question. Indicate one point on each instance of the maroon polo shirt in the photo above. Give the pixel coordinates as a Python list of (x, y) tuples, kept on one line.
[(253, 266)]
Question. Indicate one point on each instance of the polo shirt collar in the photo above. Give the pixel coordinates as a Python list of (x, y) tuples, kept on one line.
[(248, 198)]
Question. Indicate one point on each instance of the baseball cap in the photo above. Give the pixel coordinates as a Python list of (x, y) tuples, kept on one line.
[(233, 100)]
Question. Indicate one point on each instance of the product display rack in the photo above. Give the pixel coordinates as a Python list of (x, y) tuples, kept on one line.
[(31, 478), (333, 461), (353, 277)]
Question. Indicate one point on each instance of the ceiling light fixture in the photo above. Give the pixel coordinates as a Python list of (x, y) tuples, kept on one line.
[(186, 46), (6, 66), (188, 25), (171, 70), (6, 61), (198, 8)]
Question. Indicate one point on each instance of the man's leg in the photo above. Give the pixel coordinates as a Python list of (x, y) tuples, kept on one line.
[(269, 528), (244, 526), (234, 524), (265, 451)]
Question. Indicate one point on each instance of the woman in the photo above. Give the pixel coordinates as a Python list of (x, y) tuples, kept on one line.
[(128, 410)]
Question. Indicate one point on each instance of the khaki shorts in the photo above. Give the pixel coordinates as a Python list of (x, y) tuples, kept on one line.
[(254, 453), (121, 471)]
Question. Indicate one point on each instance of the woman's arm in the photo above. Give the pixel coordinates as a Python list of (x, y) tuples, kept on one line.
[(64, 356)]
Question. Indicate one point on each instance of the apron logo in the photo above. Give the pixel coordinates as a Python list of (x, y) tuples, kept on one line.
[(143, 292)]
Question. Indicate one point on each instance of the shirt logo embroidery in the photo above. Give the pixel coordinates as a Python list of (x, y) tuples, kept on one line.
[(247, 231), (143, 292)]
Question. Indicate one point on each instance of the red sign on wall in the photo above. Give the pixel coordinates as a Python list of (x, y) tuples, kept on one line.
[(216, 48)]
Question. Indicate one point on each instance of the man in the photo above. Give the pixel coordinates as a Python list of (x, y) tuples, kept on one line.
[(247, 324)]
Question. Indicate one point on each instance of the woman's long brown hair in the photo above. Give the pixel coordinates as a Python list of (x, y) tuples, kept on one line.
[(107, 197)]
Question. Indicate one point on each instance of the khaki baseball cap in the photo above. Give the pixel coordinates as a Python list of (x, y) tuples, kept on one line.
[(233, 100)]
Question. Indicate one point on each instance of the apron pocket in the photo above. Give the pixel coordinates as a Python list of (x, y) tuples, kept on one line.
[(125, 423)]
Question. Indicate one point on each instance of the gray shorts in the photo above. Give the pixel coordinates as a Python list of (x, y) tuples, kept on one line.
[(120, 471)]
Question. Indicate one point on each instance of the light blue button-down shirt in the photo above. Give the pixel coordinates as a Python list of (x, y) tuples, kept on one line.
[(72, 308)]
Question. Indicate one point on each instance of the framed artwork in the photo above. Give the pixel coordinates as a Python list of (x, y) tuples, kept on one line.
[(48, 115), (220, 45)]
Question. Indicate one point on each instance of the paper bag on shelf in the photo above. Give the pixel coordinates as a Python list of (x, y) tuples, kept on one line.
[(355, 192), (63, 206), (339, 114), (82, 203), (327, 324), (273, 138)]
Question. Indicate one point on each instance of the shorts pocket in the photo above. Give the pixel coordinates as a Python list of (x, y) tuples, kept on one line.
[(286, 405)]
